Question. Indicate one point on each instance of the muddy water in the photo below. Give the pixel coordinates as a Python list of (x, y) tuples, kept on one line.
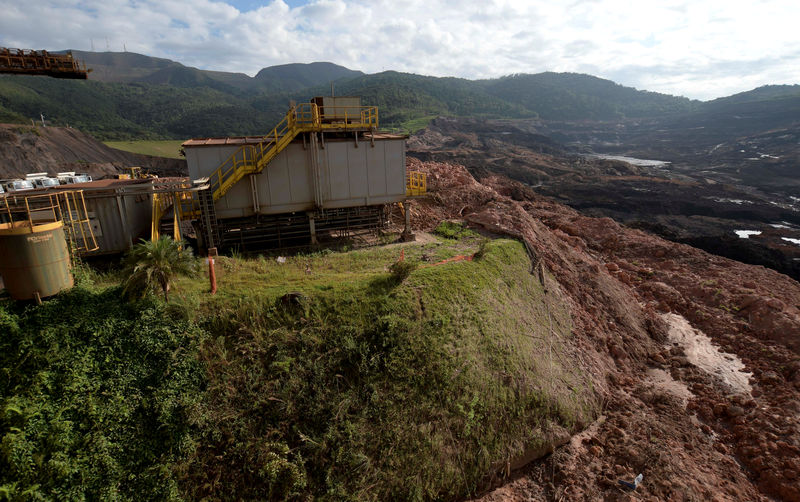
[(701, 352)]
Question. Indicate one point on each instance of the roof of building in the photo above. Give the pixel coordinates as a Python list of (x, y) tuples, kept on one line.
[(251, 140)]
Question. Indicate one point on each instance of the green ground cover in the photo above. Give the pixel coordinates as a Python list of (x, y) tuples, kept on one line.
[(165, 148), (324, 377)]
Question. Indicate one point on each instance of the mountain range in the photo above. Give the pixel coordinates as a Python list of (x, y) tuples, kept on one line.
[(131, 96)]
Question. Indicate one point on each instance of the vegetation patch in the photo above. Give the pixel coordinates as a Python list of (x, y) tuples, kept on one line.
[(95, 398), (453, 230), (383, 390), (166, 148), (323, 376)]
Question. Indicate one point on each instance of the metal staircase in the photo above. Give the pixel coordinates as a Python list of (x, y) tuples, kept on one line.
[(302, 118), (208, 220)]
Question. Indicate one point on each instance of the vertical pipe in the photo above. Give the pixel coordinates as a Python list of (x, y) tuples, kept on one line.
[(212, 276), (312, 228)]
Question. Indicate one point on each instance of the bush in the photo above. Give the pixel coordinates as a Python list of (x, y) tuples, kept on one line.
[(453, 230), (401, 269), (95, 398)]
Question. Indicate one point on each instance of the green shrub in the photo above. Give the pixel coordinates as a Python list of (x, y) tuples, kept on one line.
[(95, 398), (453, 230), (153, 265), (401, 269)]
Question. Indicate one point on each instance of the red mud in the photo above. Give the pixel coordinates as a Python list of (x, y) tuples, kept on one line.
[(690, 433)]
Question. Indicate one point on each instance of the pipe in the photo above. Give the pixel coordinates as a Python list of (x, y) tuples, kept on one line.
[(212, 276)]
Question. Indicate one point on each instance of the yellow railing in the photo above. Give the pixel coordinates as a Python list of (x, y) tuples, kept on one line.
[(416, 183), (161, 203), (68, 207), (186, 208), (305, 117)]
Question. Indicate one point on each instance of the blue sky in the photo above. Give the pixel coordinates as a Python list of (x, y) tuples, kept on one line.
[(248, 5), (697, 48)]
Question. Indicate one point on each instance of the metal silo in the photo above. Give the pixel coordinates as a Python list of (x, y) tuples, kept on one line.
[(36, 234), (34, 260)]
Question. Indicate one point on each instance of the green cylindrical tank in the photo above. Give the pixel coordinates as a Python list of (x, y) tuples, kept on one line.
[(34, 259)]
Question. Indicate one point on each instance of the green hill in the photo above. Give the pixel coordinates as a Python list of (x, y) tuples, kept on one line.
[(132, 96), (291, 77), (351, 383), (574, 96)]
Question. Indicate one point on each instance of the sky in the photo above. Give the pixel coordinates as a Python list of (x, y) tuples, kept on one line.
[(701, 49)]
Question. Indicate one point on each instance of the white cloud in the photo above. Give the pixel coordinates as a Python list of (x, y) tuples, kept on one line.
[(701, 48)]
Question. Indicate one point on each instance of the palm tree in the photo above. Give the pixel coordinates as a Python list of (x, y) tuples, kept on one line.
[(151, 265)]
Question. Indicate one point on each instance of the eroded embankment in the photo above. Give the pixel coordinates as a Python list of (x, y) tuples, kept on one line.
[(369, 388), (677, 423), (323, 376)]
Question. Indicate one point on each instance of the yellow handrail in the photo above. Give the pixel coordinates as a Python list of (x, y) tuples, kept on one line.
[(306, 117), (416, 183)]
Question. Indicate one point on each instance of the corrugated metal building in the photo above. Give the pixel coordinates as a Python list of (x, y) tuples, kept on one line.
[(351, 172), (119, 211)]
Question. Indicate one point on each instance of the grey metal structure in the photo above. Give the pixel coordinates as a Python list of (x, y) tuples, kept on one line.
[(119, 212), (316, 171)]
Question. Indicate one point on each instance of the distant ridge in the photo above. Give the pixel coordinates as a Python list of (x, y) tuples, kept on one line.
[(131, 96), (297, 76), (128, 67)]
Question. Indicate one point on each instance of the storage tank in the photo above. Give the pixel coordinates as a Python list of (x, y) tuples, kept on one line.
[(34, 259)]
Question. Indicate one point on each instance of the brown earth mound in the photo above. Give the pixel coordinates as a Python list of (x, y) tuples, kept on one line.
[(27, 149), (695, 356)]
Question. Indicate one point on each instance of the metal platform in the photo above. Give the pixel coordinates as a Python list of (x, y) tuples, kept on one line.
[(30, 62)]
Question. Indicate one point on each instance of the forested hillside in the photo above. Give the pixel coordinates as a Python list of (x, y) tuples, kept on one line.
[(131, 96)]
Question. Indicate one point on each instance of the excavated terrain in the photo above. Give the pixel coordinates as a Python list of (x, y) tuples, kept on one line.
[(27, 149), (696, 201), (695, 357)]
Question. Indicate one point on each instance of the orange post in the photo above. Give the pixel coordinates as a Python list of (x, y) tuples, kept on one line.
[(212, 276)]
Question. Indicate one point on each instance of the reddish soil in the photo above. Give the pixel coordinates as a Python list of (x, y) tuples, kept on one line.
[(684, 427)]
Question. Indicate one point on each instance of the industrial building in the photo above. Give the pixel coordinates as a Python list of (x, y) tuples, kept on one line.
[(324, 170)]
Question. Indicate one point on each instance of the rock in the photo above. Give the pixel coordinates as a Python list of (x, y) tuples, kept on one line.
[(612, 267), (775, 304), (770, 378), (735, 411), (679, 361)]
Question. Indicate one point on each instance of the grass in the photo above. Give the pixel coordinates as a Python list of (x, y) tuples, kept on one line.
[(374, 389), (331, 377), (164, 148), (412, 126)]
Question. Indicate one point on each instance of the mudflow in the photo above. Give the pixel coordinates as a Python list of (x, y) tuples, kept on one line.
[(694, 356)]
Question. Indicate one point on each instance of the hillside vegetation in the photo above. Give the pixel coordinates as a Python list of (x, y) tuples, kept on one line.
[(131, 96), (324, 377)]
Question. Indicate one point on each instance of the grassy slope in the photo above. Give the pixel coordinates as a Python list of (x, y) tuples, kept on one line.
[(364, 388), (165, 148)]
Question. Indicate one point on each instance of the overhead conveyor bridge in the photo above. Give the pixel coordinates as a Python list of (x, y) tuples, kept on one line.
[(30, 62)]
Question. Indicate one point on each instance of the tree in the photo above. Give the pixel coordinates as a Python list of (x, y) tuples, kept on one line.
[(151, 265)]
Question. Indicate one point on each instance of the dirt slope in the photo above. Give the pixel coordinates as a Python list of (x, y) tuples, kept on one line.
[(26, 149), (662, 328)]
